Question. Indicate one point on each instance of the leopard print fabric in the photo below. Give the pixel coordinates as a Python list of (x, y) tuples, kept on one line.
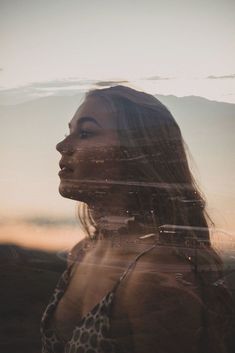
[(89, 336)]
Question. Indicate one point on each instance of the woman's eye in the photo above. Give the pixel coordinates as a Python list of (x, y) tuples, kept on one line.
[(84, 134)]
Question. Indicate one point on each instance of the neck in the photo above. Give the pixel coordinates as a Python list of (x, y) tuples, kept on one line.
[(122, 214), (123, 223)]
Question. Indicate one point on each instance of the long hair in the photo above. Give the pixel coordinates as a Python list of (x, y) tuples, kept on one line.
[(154, 167)]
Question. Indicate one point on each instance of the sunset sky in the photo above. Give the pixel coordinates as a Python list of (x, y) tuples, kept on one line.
[(167, 39), (62, 47)]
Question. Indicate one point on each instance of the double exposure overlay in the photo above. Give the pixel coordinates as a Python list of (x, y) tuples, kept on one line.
[(146, 269), (117, 222)]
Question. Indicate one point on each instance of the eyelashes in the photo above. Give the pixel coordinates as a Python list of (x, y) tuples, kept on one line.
[(82, 134)]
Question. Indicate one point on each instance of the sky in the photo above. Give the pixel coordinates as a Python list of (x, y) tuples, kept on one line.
[(129, 39), (61, 47)]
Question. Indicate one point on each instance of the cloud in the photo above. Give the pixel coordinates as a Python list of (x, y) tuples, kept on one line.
[(213, 77), (36, 90), (109, 83), (158, 78), (60, 87), (61, 83)]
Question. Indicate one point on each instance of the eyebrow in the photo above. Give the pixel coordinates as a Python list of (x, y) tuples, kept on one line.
[(85, 119)]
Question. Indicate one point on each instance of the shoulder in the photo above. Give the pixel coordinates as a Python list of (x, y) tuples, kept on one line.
[(155, 276), (159, 292), (164, 314), (77, 252)]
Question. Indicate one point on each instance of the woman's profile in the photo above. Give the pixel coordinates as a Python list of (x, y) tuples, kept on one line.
[(145, 278)]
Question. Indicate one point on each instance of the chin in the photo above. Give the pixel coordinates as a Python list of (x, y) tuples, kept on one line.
[(71, 193)]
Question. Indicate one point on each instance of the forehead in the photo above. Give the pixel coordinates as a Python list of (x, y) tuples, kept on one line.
[(98, 109)]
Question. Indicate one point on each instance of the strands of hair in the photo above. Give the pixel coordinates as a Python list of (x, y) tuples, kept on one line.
[(147, 128)]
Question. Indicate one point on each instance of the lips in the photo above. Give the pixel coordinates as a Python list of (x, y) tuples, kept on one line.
[(66, 168), (65, 165)]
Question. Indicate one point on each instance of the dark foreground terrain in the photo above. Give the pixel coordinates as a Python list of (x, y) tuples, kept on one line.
[(28, 278), (27, 281)]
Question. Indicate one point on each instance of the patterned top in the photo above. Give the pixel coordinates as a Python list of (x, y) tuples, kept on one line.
[(91, 335)]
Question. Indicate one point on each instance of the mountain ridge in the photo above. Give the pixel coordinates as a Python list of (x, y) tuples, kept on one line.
[(196, 99)]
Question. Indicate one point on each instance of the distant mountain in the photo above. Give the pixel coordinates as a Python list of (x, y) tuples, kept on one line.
[(48, 117), (207, 126), (31, 130), (201, 104)]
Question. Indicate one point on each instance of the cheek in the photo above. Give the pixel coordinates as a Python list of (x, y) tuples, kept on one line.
[(99, 163)]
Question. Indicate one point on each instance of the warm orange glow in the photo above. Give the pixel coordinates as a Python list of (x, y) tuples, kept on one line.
[(51, 238), (64, 237)]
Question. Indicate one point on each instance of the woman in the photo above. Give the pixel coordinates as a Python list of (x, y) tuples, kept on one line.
[(145, 278)]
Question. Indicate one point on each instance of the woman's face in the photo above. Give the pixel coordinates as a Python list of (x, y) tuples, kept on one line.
[(90, 152)]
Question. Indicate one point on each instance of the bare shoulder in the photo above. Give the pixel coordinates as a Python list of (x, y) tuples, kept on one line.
[(76, 253), (159, 307), (170, 310), (158, 278)]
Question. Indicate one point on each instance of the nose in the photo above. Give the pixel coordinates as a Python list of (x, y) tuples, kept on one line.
[(65, 147)]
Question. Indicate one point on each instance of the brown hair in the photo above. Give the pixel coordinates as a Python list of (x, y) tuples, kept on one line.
[(155, 168)]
